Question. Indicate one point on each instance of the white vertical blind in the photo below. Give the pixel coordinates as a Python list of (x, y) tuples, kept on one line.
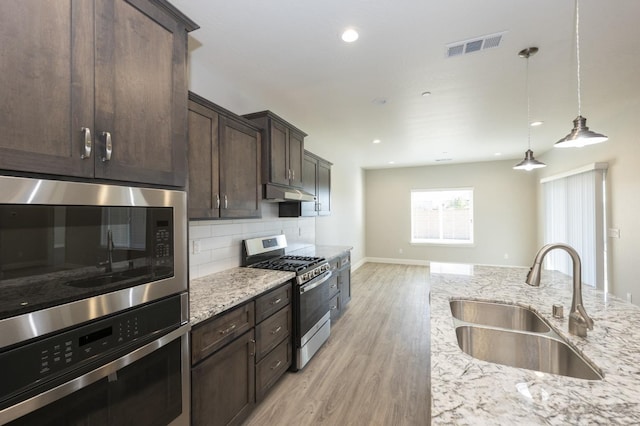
[(574, 214)]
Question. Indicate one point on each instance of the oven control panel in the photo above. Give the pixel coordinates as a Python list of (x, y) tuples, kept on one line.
[(311, 274), (48, 358)]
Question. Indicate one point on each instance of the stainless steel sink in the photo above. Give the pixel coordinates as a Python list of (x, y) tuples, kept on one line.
[(524, 350), (496, 314)]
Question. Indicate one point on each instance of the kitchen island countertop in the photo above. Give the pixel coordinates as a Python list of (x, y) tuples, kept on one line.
[(219, 292), (466, 390)]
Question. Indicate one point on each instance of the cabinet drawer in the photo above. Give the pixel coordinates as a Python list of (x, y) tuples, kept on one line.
[(272, 302), (272, 331), (214, 334), (269, 370)]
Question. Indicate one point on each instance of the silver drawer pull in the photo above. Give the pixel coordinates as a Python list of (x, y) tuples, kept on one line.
[(217, 201), (334, 307), (277, 330), (278, 364), (276, 301), (228, 330)]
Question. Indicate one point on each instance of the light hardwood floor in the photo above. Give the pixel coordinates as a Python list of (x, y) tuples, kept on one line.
[(374, 369)]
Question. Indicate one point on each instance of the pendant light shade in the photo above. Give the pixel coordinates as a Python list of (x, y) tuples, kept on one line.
[(580, 134), (529, 163)]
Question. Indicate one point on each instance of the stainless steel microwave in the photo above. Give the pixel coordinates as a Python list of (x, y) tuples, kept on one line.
[(72, 252)]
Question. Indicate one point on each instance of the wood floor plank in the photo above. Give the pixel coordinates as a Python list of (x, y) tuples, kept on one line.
[(374, 369)]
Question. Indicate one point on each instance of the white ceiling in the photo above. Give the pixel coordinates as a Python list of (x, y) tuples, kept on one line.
[(288, 54)]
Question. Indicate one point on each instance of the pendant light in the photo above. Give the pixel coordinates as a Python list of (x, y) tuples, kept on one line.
[(529, 162), (580, 134)]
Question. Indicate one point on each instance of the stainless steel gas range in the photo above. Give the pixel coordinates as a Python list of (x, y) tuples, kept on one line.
[(311, 318)]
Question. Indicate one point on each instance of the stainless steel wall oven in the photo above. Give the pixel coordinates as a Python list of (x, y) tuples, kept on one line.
[(93, 304)]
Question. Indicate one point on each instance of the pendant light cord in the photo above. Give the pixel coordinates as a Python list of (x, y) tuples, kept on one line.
[(528, 106), (578, 52)]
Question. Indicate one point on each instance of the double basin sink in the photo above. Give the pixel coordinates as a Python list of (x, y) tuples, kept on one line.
[(516, 336)]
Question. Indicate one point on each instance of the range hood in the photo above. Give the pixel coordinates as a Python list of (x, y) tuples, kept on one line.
[(277, 193)]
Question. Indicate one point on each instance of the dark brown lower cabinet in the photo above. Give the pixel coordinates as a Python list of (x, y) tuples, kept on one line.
[(238, 356), (223, 385)]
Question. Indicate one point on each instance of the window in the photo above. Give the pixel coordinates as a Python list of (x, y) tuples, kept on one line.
[(574, 214), (442, 216)]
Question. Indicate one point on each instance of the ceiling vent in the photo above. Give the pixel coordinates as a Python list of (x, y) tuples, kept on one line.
[(474, 45)]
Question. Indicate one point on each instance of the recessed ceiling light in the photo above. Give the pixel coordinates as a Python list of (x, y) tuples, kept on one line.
[(498, 154), (425, 94), (350, 35), (392, 162), (536, 123), (376, 141)]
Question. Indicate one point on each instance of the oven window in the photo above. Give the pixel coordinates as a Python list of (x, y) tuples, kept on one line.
[(313, 305), (50, 255)]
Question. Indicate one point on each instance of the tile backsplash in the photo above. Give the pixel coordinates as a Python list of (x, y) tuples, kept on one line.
[(215, 245)]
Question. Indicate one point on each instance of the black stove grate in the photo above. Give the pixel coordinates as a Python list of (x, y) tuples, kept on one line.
[(289, 263)]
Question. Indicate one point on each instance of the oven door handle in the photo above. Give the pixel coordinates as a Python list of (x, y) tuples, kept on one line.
[(316, 282)]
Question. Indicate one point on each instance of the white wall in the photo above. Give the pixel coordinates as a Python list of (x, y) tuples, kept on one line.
[(622, 153), (504, 213)]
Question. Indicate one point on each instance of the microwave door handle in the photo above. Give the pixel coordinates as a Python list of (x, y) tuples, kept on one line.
[(314, 284)]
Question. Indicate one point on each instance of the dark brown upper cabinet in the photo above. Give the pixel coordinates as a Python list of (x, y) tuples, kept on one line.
[(94, 89), (283, 150), (224, 163), (317, 181)]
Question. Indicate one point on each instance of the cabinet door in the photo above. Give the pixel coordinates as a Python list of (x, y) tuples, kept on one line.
[(309, 174), (239, 169), (296, 158), (140, 93), (324, 188), (223, 385), (278, 153), (46, 85), (344, 282), (204, 174)]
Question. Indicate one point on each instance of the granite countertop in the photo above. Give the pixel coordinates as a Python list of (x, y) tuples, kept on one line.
[(328, 252), (466, 390), (216, 293)]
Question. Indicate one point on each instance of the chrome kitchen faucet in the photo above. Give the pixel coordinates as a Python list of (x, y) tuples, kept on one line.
[(579, 320)]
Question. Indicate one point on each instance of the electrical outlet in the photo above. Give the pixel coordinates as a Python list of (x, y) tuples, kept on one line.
[(506, 256), (196, 247), (629, 298), (400, 251), (613, 233)]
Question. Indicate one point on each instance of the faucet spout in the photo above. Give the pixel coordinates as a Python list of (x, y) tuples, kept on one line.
[(579, 320)]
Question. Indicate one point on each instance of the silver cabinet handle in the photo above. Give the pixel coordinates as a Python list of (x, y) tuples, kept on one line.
[(277, 330), (108, 146), (288, 173), (228, 330), (225, 202), (217, 201), (277, 364), (293, 174), (86, 145)]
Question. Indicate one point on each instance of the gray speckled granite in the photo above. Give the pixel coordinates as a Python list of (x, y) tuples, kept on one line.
[(328, 252), (215, 293), (469, 391)]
